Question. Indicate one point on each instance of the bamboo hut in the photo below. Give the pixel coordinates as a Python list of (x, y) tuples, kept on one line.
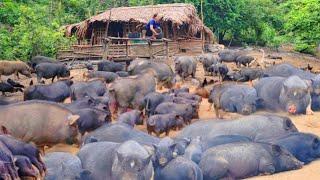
[(181, 26)]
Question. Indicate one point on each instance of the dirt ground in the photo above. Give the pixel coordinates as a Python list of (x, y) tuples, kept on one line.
[(305, 123)]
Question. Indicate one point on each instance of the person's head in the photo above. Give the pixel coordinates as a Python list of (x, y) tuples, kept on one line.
[(156, 17)]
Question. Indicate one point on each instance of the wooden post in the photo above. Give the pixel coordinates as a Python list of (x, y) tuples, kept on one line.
[(107, 27), (127, 52), (106, 49), (167, 50), (202, 30), (150, 49), (174, 32), (107, 45), (92, 37), (166, 31)]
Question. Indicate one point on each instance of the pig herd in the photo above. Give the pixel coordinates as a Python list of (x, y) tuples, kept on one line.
[(111, 101)]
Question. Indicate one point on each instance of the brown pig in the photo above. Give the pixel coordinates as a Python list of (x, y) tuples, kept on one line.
[(14, 67), (40, 122)]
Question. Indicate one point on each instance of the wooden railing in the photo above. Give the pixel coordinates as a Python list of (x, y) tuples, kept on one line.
[(126, 47), (129, 48)]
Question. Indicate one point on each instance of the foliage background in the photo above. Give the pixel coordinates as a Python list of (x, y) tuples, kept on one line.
[(31, 27)]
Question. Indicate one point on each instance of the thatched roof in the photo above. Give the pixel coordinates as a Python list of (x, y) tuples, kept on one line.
[(178, 14), (210, 34), (69, 28)]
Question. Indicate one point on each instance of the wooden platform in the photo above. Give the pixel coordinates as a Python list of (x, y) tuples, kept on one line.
[(122, 49)]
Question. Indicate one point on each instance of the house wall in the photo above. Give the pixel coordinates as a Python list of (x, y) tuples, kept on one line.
[(96, 31)]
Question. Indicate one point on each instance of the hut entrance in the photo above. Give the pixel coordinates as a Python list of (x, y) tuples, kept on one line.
[(98, 32)]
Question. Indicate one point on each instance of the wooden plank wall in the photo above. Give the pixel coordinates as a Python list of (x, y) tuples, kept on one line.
[(186, 47), (193, 46)]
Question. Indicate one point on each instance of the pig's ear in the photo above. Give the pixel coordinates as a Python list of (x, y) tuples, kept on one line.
[(172, 146), (85, 174), (285, 88), (155, 147), (15, 159), (149, 149), (276, 150), (92, 139), (119, 156), (90, 101), (188, 140), (259, 101), (315, 143), (309, 82), (146, 161), (4, 130), (287, 124), (73, 119), (70, 82)]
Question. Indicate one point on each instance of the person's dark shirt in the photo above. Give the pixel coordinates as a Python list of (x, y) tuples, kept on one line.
[(154, 24)]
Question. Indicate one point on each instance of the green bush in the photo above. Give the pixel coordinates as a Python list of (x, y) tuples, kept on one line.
[(302, 24)]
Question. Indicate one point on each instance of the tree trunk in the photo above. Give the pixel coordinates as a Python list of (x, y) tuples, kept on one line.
[(221, 36)]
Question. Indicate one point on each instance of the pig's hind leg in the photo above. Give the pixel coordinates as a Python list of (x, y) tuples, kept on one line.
[(309, 110)]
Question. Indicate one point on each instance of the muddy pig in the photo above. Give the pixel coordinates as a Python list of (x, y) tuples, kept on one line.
[(51, 70), (6, 87), (14, 67), (187, 111), (91, 119), (242, 160), (107, 160), (289, 94), (41, 122), (131, 118), (19, 148), (108, 77), (305, 147), (65, 166), (110, 66), (56, 92), (164, 123)]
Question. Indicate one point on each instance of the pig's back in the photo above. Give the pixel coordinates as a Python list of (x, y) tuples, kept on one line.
[(269, 89), (32, 119)]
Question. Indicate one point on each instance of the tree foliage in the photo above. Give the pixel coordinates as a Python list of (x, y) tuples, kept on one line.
[(302, 24), (31, 27)]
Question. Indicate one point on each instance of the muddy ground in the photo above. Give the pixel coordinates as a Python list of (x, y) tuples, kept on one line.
[(305, 123)]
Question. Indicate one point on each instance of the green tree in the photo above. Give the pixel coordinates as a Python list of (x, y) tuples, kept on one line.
[(302, 24), (30, 27)]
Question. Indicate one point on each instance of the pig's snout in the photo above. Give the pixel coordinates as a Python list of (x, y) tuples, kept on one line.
[(246, 110), (299, 164), (107, 118), (162, 161), (292, 109)]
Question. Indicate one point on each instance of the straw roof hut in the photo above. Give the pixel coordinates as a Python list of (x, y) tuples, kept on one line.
[(182, 32), (178, 21)]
